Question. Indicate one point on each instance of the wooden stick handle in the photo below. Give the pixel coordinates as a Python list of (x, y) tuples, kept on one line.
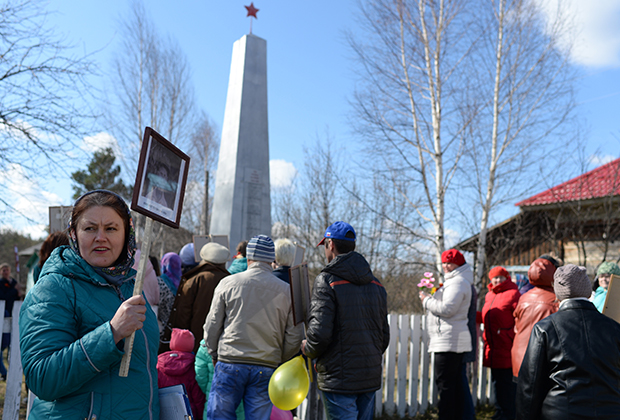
[(137, 290)]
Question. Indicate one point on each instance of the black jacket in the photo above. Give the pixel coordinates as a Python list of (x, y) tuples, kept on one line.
[(347, 328), (571, 369)]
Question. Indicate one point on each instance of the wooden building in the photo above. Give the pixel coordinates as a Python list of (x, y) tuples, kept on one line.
[(577, 221)]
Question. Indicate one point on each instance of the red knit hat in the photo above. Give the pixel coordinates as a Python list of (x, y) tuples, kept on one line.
[(499, 271), (182, 340), (541, 272), (452, 256)]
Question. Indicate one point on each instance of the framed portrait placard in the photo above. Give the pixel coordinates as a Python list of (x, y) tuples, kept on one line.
[(300, 292), (160, 181), (202, 240), (611, 307), (299, 255)]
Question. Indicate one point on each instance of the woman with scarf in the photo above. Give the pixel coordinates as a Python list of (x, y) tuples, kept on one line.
[(168, 285), (497, 316), (74, 322)]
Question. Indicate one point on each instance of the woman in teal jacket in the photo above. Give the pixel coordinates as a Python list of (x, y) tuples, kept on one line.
[(74, 322), (604, 272)]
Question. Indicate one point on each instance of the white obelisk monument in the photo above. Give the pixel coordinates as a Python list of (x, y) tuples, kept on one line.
[(242, 201)]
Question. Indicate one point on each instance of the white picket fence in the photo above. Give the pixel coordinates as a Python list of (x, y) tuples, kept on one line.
[(12, 397), (408, 386)]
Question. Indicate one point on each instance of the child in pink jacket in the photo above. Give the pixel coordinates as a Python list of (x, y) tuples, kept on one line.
[(176, 367)]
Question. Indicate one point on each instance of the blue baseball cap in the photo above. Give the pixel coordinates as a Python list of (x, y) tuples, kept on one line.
[(338, 230)]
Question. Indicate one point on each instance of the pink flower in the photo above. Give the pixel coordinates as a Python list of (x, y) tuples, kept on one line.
[(428, 274)]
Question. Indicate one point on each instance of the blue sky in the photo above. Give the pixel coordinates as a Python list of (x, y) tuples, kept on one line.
[(310, 74)]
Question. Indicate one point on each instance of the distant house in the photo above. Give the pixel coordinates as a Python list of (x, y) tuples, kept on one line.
[(577, 221)]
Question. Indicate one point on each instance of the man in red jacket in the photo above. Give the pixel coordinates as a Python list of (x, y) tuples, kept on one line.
[(497, 316)]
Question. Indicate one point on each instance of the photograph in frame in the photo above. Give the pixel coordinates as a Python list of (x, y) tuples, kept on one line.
[(160, 181), (202, 240), (300, 292)]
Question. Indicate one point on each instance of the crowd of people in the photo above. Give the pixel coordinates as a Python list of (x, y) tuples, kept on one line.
[(220, 331), (551, 352), (222, 328)]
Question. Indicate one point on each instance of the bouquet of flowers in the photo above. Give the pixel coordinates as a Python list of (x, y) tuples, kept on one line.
[(427, 283)]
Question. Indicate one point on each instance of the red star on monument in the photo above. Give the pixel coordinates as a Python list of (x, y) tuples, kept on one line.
[(252, 10)]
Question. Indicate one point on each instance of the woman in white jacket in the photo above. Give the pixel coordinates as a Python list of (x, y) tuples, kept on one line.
[(447, 327)]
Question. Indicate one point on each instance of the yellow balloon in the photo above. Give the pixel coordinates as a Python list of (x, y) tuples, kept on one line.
[(289, 384)]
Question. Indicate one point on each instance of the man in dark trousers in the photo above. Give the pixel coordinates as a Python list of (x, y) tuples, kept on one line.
[(9, 292), (347, 328), (571, 368)]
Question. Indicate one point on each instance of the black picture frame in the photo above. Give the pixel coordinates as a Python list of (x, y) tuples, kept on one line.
[(160, 180), (300, 292)]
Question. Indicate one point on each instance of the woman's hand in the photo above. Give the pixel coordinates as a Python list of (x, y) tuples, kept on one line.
[(128, 318), (423, 295)]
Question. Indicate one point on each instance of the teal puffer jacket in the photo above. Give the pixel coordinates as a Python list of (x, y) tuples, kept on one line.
[(69, 356)]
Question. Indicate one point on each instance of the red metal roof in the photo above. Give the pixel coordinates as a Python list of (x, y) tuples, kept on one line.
[(600, 182)]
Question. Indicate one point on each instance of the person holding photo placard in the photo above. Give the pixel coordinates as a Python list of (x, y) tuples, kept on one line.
[(193, 299), (604, 273), (74, 322), (285, 255)]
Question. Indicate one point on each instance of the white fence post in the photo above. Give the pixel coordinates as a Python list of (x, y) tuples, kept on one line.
[(12, 398), (424, 371), (414, 364), (388, 401), (407, 386), (404, 323)]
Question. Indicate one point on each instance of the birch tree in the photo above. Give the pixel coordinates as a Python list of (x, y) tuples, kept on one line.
[(150, 86), (453, 97), (44, 95), (413, 103), (526, 100)]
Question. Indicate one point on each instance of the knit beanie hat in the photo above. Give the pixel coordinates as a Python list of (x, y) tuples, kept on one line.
[(571, 281), (453, 256), (608, 268), (214, 253), (181, 340), (187, 254), (499, 271), (261, 248), (541, 272)]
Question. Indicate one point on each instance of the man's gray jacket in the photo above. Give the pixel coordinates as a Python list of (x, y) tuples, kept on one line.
[(251, 320)]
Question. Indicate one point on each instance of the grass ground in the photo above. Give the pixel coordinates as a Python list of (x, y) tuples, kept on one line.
[(484, 412)]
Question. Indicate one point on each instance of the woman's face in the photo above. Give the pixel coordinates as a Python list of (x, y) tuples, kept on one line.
[(497, 280), (603, 280), (448, 266), (101, 236)]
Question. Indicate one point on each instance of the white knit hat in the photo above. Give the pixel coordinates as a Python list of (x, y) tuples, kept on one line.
[(215, 253)]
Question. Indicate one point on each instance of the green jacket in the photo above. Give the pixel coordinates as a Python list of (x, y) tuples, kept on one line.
[(204, 377), (69, 356)]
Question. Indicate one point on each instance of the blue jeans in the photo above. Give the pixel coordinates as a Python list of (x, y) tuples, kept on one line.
[(6, 340), (349, 406), (233, 383)]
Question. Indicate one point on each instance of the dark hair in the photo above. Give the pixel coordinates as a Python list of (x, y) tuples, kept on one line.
[(53, 241), (242, 248), (102, 198), (553, 261), (155, 264), (342, 245)]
